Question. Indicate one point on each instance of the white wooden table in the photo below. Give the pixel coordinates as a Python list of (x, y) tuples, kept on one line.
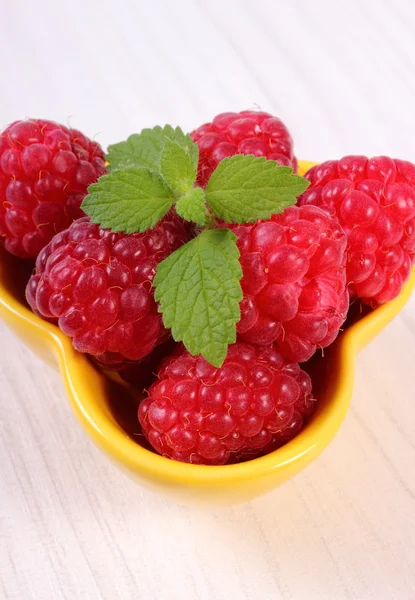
[(341, 74)]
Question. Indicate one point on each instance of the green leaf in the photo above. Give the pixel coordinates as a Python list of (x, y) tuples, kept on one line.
[(199, 293), (245, 188), (129, 200), (191, 207), (178, 166), (144, 149)]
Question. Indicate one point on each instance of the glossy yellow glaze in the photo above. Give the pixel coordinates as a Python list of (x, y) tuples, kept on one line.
[(91, 396)]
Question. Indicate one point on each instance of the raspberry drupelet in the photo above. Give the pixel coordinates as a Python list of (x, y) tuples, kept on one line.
[(256, 402), (45, 169), (374, 201), (97, 285), (294, 281), (247, 132)]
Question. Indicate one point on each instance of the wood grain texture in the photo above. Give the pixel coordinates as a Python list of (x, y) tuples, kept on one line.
[(71, 526)]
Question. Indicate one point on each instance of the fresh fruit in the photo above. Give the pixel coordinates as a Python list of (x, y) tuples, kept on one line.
[(247, 132), (45, 169), (294, 281), (374, 201), (194, 249), (97, 285), (254, 403), (198, 286)]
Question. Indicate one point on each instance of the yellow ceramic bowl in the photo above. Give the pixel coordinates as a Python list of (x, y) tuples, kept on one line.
[(93, 397)]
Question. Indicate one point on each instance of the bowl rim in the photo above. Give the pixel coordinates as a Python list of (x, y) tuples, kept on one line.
[(112, 439)]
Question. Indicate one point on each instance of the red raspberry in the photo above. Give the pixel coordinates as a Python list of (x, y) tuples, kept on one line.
[(374, 201), (98, 286), (294, 281), (254, 403), (45, 169), (247, 132)]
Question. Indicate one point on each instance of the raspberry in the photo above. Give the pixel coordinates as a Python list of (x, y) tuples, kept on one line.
[(254, 403), (45, 169), (97, 285), (294, 281), (374, 201), (247, 132)]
